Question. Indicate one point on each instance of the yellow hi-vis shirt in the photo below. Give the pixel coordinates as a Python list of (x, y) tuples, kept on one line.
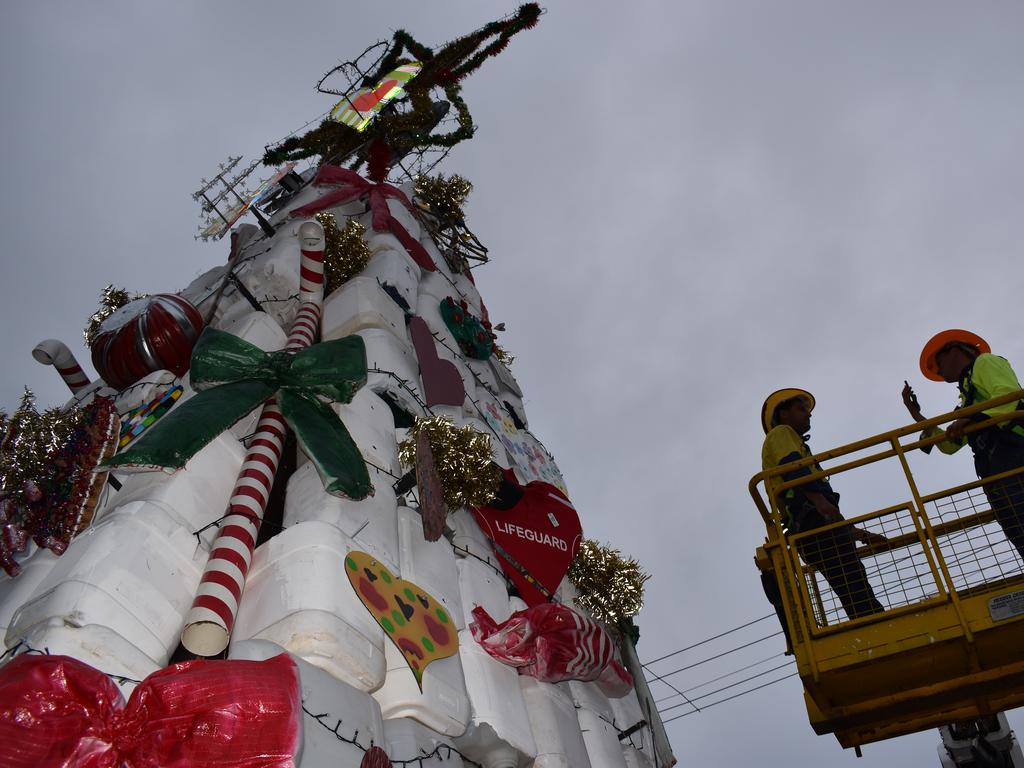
[(781, 445), (992, 377)]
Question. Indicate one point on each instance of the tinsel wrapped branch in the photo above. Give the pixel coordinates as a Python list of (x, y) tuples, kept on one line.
[(346, 253), (443, 197), (611, 587), (463, 459), (111, 300)]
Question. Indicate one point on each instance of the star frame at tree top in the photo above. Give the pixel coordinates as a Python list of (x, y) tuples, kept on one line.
[(407, 128)]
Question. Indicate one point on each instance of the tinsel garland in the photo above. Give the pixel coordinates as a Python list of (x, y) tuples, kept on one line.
[(443, 197), (611, 587), (346, 253), (48, 489), (462, 457), (504, 356), (111, 300)]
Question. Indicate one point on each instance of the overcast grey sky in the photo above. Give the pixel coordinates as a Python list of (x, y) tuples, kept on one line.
[(688, 204)]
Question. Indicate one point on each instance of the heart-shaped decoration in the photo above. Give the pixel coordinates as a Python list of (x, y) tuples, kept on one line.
[(442, 384), (432, 507), (535, 539), (413, 619), (375, 757)]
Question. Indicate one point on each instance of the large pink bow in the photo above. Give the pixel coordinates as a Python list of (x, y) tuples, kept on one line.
[(57, 712), (552, 643), (352, 185)]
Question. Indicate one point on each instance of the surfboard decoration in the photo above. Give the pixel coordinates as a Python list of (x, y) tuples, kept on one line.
[(357, 110)]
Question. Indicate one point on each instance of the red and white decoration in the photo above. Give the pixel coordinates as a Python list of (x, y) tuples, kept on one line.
[(56, 353), (153, 333), (209, 622)]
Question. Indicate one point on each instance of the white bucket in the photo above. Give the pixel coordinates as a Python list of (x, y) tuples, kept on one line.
[(393, 266), (393, 369), (635, 758), (589, 696), (273, 276), (480, 584), (259, 329), (324, 695), (469, 540), (499, 734), (361, 303), (431, 564), (556, 730), (15, 591), (371, 522), (601, 739), (408, 740), (442, 705), (134, 574), (298, 595), (627, 713), (198, 493)]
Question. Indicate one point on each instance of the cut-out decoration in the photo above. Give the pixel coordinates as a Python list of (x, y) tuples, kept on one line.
[(442, 383), (138, 420), (218, 224), (57, 711), (552, 643), (149, 334), (234, 377), (432, 506), (375, 757), (358, 110), (475, 337), (415, 621), (462, 455), (535, 539), (531, 459)]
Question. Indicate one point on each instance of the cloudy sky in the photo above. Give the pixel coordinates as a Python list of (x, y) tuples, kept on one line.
[(689, 204)]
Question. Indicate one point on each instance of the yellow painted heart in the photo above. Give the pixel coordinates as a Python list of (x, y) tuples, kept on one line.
[(413, 619)]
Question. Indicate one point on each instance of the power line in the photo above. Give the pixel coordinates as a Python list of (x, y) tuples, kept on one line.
[(723, 653), (708, 640), (720, 677), (709, 694), (730, 698)]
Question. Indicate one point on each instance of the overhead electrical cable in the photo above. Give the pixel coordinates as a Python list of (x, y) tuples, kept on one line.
[(720, 677), (730, 698), (723, 653), (709, 694), (708, 640)]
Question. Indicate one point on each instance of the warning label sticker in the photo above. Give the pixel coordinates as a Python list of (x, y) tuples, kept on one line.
[(1006, 606)]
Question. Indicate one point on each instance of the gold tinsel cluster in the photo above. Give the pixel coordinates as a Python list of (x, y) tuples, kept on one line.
[(462, 457), (611, 586), (443, 197), (27, 439), (346, 253), (503, 356), (111, 300)]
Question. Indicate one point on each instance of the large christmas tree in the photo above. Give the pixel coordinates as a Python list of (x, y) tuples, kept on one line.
[(300, 519)]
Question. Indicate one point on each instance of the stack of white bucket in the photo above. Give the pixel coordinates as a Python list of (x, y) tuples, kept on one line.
[(117, 599)]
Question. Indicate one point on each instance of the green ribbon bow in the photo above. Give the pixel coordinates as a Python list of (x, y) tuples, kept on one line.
[(232, 377)]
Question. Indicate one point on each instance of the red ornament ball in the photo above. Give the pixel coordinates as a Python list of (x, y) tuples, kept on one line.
[(150, 334)]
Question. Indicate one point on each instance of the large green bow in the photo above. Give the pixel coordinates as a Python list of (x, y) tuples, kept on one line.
[(233, 377)]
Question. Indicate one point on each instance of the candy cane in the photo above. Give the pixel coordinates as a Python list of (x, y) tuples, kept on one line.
[(56, 353), (209, 622)]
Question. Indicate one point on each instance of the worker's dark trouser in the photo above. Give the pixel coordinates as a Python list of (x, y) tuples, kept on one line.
[(1007, 495), (834, 554)]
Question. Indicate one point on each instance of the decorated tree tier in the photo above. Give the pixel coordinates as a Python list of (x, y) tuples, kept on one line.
[(313, 464)]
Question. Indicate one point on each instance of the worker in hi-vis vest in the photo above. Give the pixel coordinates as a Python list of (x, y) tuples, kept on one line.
[(786, 418), (964, 358)]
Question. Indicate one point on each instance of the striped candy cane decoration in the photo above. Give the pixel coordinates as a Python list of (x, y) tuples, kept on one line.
[(209, 622), (56, 353)]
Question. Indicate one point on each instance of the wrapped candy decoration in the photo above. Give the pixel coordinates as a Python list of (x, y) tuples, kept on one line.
[(149, 334)]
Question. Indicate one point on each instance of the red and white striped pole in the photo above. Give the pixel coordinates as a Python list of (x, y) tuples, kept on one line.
[(209, 622), (56, 353)]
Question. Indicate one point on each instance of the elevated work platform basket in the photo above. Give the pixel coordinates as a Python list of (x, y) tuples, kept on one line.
[(920, 625)]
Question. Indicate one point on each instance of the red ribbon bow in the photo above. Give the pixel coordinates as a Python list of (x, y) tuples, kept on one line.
[(352, 185), (57, 712)]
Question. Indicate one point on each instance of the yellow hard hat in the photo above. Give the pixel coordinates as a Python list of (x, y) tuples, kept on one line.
[(779, 396), (930, 366)]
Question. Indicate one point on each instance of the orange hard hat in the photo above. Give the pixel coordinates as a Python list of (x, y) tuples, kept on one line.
[(930, 366), (777, 398)]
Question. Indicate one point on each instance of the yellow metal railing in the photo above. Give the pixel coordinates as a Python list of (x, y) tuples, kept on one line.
[(924, 559)]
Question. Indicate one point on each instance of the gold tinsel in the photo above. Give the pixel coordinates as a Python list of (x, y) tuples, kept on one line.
[(503, 356), (27, 440), (346, 253), (111, 300), (462, 457), (443, 197), (611, 586)]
